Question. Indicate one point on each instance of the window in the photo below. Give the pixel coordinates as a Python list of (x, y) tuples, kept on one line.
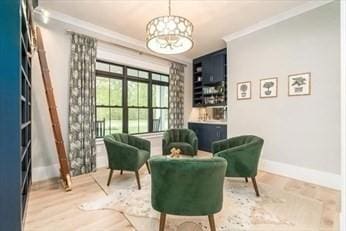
[(130, 100), (109, 109)]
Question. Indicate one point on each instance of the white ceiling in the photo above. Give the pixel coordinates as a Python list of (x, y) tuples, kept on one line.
[(212, 20)]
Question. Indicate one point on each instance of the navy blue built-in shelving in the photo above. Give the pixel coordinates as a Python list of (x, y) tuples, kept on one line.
[(209, 85), (15, 111)]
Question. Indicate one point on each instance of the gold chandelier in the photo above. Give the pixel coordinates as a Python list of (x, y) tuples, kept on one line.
[(169, 34)]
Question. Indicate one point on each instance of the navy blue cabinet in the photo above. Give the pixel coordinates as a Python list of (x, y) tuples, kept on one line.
[(210, 79), (208, 133), (214, 70), (15, 112)]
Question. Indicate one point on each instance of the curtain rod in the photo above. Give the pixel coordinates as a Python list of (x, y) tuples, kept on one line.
[(129, 48)]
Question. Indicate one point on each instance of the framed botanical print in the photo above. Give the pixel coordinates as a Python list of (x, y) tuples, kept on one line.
[(269, 88), (299, 84), (244, 90)]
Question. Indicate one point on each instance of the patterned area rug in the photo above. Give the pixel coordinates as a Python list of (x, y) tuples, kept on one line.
[(242, 210)]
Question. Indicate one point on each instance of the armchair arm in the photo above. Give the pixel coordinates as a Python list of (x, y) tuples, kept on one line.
[(219, 146), (140, 143), (242, 160), (121, 155)]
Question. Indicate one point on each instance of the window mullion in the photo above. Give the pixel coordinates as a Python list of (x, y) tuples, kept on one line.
[(150, 102), (125, 102)]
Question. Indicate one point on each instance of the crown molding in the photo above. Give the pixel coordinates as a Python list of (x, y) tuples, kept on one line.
[(84, 27), (277, 18)]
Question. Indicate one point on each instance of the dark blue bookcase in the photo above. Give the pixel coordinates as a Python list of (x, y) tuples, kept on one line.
[(15, 111)]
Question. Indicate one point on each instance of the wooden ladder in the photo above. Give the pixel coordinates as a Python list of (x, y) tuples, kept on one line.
[(59, 143)]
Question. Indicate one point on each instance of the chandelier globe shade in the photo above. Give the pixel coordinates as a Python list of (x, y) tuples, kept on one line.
[(169, 34)]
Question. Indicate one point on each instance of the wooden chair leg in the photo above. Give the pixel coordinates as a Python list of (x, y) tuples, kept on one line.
[(162, 221), (138, 182), (147, 166), (121, 172), (246, 180), (110, 177), (212, 222), (255, 186)]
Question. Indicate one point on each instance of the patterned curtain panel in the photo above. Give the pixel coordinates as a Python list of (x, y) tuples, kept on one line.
[(176, 96), (82, 105)]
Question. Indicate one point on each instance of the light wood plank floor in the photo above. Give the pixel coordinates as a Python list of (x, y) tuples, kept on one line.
[(50, 208)]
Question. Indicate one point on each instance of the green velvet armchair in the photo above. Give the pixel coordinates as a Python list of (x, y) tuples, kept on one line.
[(184, 139), (242, 154), (126, 152), (187, 186)]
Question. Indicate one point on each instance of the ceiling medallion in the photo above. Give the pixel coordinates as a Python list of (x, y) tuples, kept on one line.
[(169, 34)]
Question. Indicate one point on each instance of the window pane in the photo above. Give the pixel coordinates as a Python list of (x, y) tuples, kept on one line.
[(133, 120), (116, 92), (138, 120), (143, 74), (159, 96), (164, 96), (164, 78), (132, 72), (143, 120), (102, 66), (116, 123), (102, 91), (156, 95), (116, 69), (142, 94), (102, 121), (156, 77), (132, 93), (160, 120)]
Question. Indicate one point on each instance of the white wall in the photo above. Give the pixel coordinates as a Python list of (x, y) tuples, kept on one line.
[(301, 133), (57, 45)]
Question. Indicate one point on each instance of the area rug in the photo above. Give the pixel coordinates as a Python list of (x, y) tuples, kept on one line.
[(242, 210)]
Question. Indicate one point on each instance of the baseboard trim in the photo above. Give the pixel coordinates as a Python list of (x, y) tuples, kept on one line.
[(45, 172), (52, 171), (325, 179)]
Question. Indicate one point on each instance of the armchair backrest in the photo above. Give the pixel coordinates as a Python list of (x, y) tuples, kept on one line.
[(179, 135), (242, 154), (246, 140), (189, 186), (120, 137)]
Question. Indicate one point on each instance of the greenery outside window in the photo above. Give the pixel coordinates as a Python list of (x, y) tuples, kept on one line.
[(130, 100)]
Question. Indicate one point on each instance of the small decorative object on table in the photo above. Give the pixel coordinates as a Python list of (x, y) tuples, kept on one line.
[(175, 153)]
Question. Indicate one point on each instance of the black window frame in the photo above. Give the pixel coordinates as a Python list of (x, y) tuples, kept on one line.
[(125, 78)]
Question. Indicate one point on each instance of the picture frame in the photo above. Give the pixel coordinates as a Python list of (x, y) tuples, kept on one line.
[(244, 90), (268, 87), (299, 84)]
